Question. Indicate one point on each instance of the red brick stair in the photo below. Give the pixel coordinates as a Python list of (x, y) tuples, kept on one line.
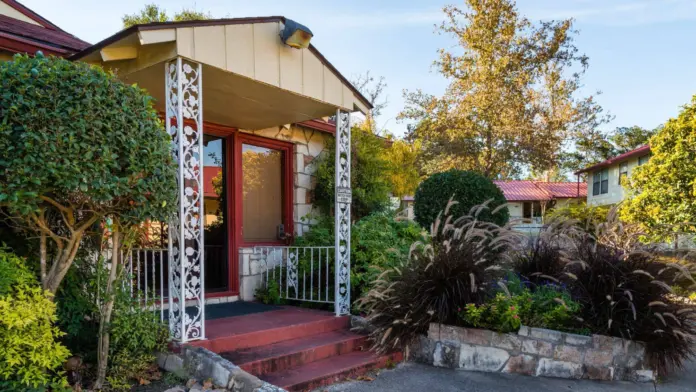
[(296, 349)]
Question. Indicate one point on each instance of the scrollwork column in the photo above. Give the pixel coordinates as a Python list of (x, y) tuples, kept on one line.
[(342, 222), (184, 123)]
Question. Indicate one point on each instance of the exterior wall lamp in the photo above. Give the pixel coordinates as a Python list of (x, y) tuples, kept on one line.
[(295, 35)]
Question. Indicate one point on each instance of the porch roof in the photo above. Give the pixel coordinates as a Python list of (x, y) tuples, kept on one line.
[(260, 81)]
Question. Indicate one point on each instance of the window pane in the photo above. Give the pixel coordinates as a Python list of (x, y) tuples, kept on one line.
[(605, 186), (214, 202), (262, 193), (605, 175), (595, 189)]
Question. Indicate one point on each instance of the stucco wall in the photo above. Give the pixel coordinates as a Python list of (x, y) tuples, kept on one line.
[(616, 191)]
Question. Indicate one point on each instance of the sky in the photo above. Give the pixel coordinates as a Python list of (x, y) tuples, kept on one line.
[(642, 52)]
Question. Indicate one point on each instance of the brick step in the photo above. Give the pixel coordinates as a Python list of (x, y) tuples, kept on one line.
[(287, 354), (330, 370), (250, 334)]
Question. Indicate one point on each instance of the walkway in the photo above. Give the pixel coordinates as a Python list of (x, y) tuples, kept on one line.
[(416, 377)]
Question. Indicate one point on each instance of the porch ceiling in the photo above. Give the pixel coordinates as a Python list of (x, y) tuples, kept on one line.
[(236, 101), (251, 79)]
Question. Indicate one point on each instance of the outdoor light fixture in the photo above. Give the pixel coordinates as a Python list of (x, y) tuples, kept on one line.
[(295, 35)]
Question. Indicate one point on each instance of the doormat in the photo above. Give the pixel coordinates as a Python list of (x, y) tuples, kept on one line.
[(229, 309)]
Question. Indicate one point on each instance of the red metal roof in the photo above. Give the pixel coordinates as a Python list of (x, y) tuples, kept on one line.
[(640, 151), (535, 190), (210, 172)]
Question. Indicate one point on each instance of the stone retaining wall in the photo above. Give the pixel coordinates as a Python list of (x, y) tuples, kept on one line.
[(534, 352)]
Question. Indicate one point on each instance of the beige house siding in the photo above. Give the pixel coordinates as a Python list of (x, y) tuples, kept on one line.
[(616, 192), (256, 51), (14, 14), (515, 209)]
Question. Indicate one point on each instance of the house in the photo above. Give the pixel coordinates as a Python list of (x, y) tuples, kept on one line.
[(250, 104), (528, 200), (604, 180)]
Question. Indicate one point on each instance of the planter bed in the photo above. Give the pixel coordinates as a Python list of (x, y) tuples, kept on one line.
[(534, 352)]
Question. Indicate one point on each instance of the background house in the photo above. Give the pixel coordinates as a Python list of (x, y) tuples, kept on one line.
[(604, 179), (529, 200)]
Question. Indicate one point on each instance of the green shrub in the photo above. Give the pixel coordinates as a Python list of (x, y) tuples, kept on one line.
[(378, 242), (587, 217), (434, 280), (468, 188), (269, 294), (30, 355), (369, 183), (548, 306)]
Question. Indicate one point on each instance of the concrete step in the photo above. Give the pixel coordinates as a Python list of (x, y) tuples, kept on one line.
[(330, 370), (288, 354), (250, 331)]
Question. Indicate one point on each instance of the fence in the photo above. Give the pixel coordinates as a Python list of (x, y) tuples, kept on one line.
[(305, 274)]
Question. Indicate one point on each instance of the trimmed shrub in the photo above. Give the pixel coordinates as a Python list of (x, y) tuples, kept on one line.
[(468, 188), (436, 279), (30, 354)]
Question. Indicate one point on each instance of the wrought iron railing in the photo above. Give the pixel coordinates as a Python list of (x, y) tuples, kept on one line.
[(305, 274), (149, 278)]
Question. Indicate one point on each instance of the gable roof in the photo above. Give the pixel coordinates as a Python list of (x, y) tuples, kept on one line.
[(640, 151), (528, 190), (18, 36), (216, 22)]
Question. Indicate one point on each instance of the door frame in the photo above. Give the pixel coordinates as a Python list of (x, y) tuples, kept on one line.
[(233, 150)]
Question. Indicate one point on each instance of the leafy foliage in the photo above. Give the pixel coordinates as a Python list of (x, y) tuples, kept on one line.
[(594, 146), (545, 306), (77, 144), (135, 333), (369, 184), (662, 193), (468, 188), (403, 170), (378, 242), (30, 353), (585, 217), (436, 279), (512, 99), (154, 13)]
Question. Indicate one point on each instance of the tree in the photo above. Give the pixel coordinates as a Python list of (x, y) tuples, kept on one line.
[(78, 146), (369, 184), (403, 173), (153, 13), (663, 190), (595, 146), (511, 101)]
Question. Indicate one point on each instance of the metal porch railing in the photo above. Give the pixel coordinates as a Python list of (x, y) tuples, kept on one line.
[(305, 274)]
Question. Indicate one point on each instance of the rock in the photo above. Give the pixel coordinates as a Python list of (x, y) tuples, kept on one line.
[(600, 373), (567, 353), (524, 331), (547, 334), (644, 376), (196, 388), (422, 350), (550, 368), (537, 347), (484, 359), (598, 358), (176, 389), (577, 340), (446, 355), (602, 342), (521, 364), (191, 382), (506, 341)]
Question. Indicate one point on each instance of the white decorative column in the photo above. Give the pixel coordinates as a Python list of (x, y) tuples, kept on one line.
[(184, 122), (342, 222)]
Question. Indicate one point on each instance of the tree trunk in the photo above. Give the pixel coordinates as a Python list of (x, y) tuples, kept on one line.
[(42, 256), (61, 265), (105, 314)]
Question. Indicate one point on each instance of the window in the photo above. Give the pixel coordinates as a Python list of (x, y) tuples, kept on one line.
[(623, 172), (643, 160), (215, 213), (600, 182), (262, 193)]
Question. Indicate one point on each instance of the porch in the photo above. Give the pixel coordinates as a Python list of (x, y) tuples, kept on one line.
[(245, 161), (294, 348)]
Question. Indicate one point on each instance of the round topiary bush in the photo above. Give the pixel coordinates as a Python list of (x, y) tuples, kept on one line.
[(468, 188)]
